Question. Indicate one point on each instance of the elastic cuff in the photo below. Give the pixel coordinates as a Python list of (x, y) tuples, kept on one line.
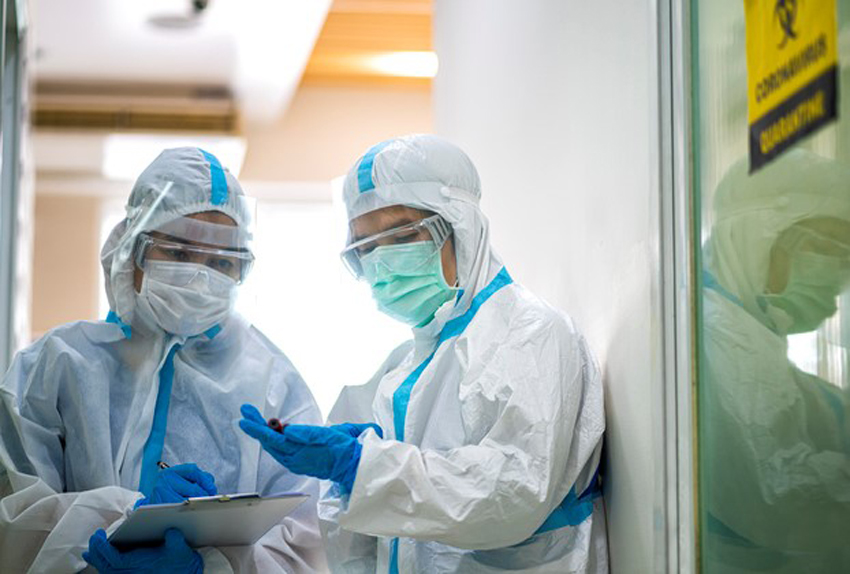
[(346, 485)]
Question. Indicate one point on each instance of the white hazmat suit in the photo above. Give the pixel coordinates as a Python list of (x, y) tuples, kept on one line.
[(493, 414), (86, 410), (775, 458)]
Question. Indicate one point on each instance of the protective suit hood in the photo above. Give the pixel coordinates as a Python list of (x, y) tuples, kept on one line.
[(428, 172), (179, 182), (752, 210)]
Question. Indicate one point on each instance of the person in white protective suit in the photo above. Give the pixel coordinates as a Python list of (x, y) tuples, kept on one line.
[(776, 440), (90, 409), (476, 446)]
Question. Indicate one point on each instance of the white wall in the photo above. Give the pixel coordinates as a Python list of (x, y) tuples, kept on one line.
[(556, 102)]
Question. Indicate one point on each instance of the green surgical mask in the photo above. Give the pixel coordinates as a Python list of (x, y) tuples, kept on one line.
[(814, 281), (407, 281)]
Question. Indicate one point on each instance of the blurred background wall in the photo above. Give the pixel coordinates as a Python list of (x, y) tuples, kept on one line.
[(287, 95)]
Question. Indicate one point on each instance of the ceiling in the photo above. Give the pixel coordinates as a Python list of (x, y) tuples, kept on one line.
[(257, 50), (104, 77)]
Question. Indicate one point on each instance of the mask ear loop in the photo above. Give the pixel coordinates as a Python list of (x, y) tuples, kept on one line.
[(441, 231)]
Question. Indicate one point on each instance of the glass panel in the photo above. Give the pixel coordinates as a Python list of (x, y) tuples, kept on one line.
[(773, 322)]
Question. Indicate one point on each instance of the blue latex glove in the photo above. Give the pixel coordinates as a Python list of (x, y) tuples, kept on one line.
[(172, 556), (356, 429), (251, 413), (253, 419), (322, 452), (177, 483)]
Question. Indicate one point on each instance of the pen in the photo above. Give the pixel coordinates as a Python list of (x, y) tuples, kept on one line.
[(162, 465), (276, 425)]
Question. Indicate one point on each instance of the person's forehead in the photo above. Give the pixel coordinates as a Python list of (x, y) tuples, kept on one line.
[(216, 217), (384, 219), (213, 217)]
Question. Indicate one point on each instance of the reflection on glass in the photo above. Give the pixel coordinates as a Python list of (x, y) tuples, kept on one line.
[(774, 440), (774, 321)]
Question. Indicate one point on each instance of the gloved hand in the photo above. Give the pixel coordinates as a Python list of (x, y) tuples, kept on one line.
[(172, 556), (251, 413), (177, 483), (356, 429), (322, 452)]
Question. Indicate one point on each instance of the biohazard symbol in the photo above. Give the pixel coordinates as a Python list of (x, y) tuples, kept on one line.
[(786, 13)]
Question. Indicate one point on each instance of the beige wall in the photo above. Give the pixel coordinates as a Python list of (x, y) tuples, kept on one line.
[(327, 128), (65, 266)]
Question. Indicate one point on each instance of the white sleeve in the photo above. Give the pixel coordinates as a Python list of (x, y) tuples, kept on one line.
[(545, 431), (348, 552), (767, 471), (772, 440), (41, 528)]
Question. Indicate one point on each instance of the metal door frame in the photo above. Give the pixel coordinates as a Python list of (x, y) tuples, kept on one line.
[(12, 123), (679, 253)]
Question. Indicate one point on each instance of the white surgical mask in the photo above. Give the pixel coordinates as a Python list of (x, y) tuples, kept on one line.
[(185, 299)]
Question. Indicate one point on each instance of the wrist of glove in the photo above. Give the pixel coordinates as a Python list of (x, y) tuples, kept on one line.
[(356, 429), (329, 453), (177, 483)]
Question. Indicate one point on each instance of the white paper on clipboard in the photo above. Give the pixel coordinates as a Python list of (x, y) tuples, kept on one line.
[(225, 520)]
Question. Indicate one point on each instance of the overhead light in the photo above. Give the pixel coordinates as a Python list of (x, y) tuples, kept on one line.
[(125, 156), (405, 64)]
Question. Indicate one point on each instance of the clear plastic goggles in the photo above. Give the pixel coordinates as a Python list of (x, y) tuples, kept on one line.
[(433, 228), (214, 234), (236, 264)]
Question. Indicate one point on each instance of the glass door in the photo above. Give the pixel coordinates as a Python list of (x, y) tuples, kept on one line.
[(773, 312)]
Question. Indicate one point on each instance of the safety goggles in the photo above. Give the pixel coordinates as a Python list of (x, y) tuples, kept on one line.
[(234, 263), (216, 235), (433, 228)]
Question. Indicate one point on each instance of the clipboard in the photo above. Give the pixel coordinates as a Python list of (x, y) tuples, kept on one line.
[(224, 520)]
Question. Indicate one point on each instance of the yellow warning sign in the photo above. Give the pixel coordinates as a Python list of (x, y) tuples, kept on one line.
[(792, 72)]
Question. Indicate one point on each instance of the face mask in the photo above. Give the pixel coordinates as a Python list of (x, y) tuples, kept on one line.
[(814, 281), (407, 281), (185, 299)]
